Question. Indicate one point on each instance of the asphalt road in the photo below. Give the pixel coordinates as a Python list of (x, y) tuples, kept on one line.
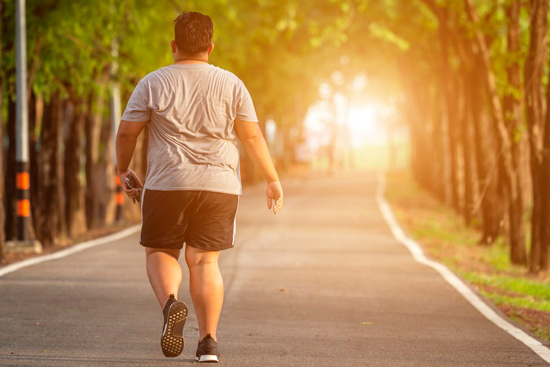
[(323, 283)]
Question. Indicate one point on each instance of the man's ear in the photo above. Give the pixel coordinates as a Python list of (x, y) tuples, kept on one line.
[(210, 48), (173, 46)]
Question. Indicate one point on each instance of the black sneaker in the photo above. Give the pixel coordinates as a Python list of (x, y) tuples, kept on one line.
[(207, 351), (175, 314)]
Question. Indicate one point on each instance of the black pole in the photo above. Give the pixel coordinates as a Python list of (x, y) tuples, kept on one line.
[(22, 129)]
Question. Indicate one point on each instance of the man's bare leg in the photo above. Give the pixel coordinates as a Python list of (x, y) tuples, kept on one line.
[(164, 272), (206, 286)]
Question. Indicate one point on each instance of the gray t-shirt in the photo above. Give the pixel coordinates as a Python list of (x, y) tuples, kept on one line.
[(191, 111)]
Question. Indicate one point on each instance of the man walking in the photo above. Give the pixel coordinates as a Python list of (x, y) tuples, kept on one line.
[(195, 111)]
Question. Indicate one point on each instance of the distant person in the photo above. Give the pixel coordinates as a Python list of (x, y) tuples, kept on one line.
[(195, 111)]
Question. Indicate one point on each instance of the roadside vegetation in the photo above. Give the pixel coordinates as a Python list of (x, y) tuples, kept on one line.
[(524, 297)]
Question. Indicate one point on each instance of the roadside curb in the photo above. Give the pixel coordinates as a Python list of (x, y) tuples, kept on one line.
[(418, 254), (69, 251)]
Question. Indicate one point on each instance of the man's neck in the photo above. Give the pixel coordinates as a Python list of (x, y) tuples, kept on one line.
[(190, 60)]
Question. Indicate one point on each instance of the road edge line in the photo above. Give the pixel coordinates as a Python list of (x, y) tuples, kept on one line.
[(418, 254), (69, 251)]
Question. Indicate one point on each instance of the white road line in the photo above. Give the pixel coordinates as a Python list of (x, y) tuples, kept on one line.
[(72, 250), (453, 280)]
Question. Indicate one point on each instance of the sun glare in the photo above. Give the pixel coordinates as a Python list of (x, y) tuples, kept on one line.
[(365, 126)]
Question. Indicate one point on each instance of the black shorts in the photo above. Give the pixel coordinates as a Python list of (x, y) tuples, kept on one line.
[(201, 219)]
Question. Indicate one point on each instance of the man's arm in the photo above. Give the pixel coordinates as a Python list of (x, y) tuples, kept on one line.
[(251, 137), (126, 140)]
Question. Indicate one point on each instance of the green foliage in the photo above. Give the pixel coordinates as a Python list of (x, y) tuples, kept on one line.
[(282, 49), (385, 34)]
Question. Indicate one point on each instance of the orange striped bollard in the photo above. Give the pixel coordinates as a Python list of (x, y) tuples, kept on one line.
[(22, 183)]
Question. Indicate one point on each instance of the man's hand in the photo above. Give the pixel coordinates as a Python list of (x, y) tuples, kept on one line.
[(132, 193), (274, 192), (251, 137), (126, 139)]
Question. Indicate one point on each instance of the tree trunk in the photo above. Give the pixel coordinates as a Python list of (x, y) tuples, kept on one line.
[(93, 131), (92, 140), (2, 211), (105, 176), (455, 127), (439, 178), (505, 145), (50, 226), (449, 110), (468, 150), (513, 115), (74, 205), (468, 85), (419, 125), (482, 144), (544, 259), (488, 201), (10, 174), (534, 101)]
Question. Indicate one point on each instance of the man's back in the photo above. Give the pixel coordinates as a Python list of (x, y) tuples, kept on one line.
[(194, 111), (191, 109)]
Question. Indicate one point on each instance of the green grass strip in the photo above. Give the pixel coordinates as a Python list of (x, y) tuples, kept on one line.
[(537, 291)]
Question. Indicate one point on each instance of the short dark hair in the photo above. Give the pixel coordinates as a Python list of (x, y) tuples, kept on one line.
[(194, 32)]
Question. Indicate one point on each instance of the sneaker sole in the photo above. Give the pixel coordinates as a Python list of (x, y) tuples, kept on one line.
[(171, 341), (208, 358)]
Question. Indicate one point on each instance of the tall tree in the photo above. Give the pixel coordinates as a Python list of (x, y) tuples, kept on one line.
[(543, 262), (450, 111), (534, 105), (468, 146), (92, 131), (74, 204), (512, 108), (518, 252), (2, 210), (489, 202), (50, 223), (9, 181)]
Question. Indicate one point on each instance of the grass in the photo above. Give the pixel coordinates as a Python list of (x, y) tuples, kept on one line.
[(524, 297)]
